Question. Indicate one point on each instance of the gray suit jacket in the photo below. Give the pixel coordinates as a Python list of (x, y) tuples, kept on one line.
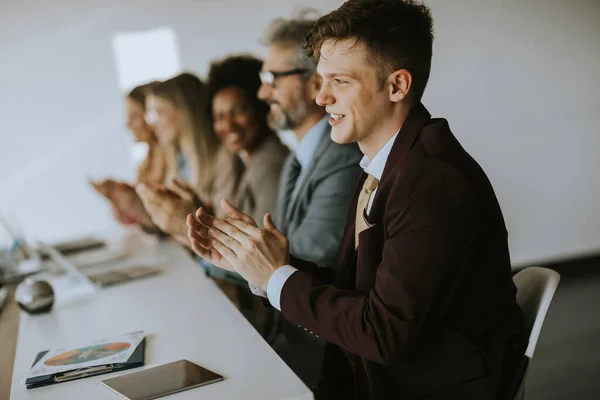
[(314, 220)]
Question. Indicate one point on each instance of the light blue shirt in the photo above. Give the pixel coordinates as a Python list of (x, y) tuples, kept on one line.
[(306, 149), (183, 167), (372, 167)]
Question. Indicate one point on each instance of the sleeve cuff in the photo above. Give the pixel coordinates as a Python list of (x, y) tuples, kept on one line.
[(257, 291), (275, 285)]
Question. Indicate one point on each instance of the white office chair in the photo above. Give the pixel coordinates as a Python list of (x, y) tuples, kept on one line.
[(535, 289)]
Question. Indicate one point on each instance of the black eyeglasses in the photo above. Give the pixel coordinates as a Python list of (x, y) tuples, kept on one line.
[(269, 77)]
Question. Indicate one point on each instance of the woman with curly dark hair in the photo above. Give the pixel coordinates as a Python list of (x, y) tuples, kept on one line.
[(239, 120), (249, 179)]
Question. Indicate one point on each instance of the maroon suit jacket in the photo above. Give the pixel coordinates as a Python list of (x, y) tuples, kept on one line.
[(425, 307)]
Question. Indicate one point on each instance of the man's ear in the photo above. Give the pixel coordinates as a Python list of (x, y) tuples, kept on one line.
[(399, 83)]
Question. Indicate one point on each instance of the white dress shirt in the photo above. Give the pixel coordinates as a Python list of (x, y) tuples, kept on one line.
[(372, 167)]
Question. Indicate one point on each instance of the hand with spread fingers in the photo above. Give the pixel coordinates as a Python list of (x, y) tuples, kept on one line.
[(105, 187), (168, 207), (201, 241), (237, 243), (127, 201), (122, 216)]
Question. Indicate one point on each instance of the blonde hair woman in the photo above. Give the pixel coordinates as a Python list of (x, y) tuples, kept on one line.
[(126, 207), (153, 167), (249, 164), (183, 128)]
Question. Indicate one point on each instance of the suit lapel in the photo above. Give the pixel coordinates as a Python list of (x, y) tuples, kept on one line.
[(416, 120), (243, 195), (324, 143), (347, 253), (407, 137), (249, 178), (281, 205)]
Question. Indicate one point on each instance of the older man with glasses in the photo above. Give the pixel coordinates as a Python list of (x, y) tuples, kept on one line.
[(318, 179)]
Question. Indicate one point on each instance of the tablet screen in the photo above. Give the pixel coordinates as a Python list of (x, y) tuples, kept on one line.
[(162, 380)]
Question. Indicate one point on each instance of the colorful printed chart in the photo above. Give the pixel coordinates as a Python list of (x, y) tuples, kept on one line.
[(87, 354)]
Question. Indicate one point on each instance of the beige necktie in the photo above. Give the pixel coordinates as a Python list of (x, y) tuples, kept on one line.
[(363, 200)]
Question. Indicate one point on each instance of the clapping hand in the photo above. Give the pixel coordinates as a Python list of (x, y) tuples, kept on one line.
[(127, 206), (169, 206), (237, 244)]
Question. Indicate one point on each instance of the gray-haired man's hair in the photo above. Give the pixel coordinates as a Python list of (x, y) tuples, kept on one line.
[(293, 31)]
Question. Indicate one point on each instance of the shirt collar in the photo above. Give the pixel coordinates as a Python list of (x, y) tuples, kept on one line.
[(375, 166), (306, 149)]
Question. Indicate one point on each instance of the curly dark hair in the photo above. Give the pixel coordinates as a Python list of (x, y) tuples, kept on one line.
[(240, 71), (397, 33)]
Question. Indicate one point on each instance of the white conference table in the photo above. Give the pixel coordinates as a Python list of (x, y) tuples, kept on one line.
[(184, 315)]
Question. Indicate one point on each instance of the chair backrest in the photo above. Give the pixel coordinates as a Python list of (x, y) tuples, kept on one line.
[(535, 289)]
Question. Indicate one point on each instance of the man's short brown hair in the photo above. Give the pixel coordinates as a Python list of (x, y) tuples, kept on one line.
[(397, 33)]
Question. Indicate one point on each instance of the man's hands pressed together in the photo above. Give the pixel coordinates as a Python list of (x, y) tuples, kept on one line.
[(238, 244)]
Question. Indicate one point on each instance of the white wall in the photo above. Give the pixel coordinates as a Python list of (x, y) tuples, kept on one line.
[(517, 81)]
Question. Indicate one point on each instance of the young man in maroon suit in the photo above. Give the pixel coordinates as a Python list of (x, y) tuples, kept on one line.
[(421, 304)]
